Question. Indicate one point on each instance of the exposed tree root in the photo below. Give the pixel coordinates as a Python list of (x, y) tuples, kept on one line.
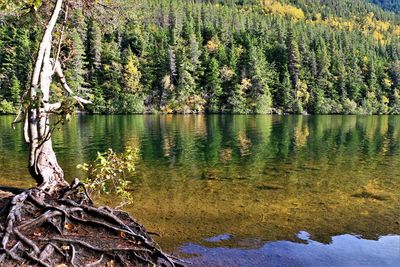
[(68, 230)]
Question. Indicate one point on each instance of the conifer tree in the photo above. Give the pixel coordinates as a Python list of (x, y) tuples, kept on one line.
[(260, 74), (15, 91), (111, 72), (293, 59), (183, 45), (214, 88), (75, 71)]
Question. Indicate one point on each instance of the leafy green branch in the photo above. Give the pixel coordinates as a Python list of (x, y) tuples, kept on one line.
[(109, 174)]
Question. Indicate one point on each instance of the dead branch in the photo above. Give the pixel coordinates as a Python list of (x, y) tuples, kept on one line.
[(59, 73), (61, 35)]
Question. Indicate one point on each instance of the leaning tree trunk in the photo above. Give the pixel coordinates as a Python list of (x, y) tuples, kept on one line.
[(43, 164), (57, 224)]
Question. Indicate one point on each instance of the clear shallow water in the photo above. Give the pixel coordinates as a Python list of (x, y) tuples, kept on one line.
[(257, 180)]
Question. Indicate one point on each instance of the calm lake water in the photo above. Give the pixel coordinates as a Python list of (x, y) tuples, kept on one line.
[(248, 190)]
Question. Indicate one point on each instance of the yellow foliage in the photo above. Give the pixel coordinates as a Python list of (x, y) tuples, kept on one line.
[(385, 100), (382, 26), (396, 30), (227, 73), (387, 82), (275, 7), (245, 84), (380, 30), (167, 83), (302, 92), (378, 36), (239, 50), (212, 45), (132, 75)]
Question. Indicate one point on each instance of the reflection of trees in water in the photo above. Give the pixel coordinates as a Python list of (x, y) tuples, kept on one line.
[(301, 133), (244, 144), (298, 171), (209, 141)]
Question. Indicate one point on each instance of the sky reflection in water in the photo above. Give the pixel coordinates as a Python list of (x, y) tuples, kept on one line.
[(344, 250)]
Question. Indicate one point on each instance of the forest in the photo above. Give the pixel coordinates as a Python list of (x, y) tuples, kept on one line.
[(392, 5), (234, 56)]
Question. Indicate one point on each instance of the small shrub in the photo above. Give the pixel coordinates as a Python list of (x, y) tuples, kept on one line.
[(130, 103), (349, 106), (108, 174)]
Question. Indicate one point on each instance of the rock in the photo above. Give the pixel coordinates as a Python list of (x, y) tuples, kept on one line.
[(373, 190), (276, 111), (269, 187), (370, 195)]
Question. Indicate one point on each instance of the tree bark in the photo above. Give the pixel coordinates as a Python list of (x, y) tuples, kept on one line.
[(43, 165), (34, 221)]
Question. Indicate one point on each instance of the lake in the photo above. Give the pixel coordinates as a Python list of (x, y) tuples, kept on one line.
[(247, 190)]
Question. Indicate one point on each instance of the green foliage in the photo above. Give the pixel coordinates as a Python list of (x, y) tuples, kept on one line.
[(6, 107), (109, 174), (17, 4), (128, 103), (15, 90), (75, 70), (215, 56), (349, 106), (258, 95), (392, 5), (132, 74), (214, 86)]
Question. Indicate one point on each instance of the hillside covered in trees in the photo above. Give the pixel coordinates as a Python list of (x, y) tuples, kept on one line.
[(234, 56), (393, 5)]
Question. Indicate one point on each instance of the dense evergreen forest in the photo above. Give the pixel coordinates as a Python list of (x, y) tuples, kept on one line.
[(393, 5), (234, 56)]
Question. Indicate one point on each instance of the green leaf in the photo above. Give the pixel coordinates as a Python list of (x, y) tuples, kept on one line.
[(37, 4)]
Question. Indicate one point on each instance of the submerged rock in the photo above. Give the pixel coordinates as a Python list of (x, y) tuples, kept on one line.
[(373, 191), (269, 187), (365, 194)]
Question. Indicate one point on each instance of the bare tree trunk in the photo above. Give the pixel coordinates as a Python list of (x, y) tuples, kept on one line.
[(43, 164), (48, 210)]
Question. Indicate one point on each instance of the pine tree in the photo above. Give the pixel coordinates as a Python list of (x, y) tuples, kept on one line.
[(75, 71), (324, 74), (15, 91), (186, 86), (214, 88), (355, 83), (286, 100), (93, 50), (8, 61), (259, 95), (111, 78), (293, 59), (93, 65)]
